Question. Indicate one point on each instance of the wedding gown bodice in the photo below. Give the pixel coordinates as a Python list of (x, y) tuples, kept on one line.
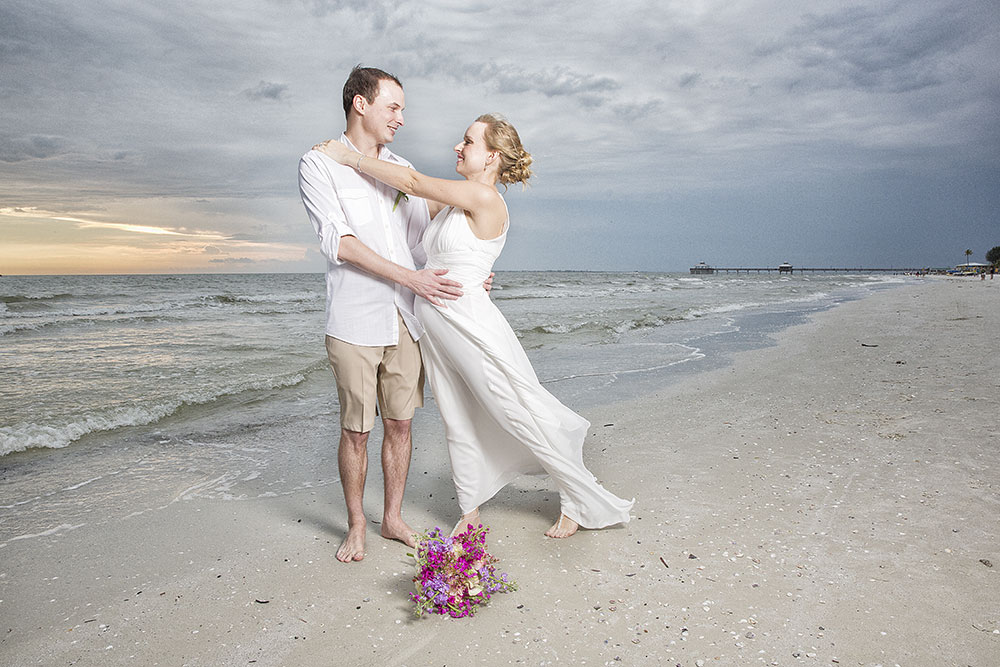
[(450, 244)]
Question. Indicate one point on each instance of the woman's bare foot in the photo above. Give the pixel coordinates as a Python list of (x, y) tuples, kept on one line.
[(353, 546), (564, 527), (398, 530), (463, 523)]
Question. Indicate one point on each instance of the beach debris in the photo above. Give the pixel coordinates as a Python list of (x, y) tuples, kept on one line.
[(261, 601), (607, 425), (986, 562), (868, 345), (692, 556), (664, 563)]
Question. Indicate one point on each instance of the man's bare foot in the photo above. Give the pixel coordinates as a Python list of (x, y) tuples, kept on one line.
[(463, 523), (398, 530), (564, 527), (353, 547)]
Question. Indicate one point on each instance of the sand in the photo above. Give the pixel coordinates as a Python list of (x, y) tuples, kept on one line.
[(830, 500)]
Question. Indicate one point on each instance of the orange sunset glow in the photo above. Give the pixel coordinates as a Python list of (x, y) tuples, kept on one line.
[(42, 242)]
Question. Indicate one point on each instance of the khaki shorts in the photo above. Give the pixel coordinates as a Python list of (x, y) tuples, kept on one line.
[(391, 374)]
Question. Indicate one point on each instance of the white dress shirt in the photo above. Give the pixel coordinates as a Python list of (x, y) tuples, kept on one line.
[(361, 308)]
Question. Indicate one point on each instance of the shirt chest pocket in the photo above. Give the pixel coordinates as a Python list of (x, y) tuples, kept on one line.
[(357, 206)]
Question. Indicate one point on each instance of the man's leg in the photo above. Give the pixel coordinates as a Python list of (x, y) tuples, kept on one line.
[(396, 447), (400, 391), (352, 461), (355, 368)]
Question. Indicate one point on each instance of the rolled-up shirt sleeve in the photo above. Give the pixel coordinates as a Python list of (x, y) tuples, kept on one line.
[(322, 205)]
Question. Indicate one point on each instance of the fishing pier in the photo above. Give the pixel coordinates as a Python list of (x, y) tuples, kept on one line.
[(704, 269)]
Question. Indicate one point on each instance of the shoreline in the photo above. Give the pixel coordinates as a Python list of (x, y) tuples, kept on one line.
[(645, 337), (805, 499)]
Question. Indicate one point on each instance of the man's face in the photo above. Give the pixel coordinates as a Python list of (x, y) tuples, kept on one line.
[(384, 115)]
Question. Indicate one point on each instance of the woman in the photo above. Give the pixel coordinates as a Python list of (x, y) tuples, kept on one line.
[(499, 421)]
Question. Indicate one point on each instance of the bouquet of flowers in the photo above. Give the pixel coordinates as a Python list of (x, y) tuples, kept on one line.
[(455, 574)]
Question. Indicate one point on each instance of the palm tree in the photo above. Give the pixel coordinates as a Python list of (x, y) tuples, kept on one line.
[(968, 254)]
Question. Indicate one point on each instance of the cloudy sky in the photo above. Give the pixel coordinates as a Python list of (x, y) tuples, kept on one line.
[(157, 137)]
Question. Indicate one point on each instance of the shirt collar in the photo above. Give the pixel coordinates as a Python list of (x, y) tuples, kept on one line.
[(383, 152)]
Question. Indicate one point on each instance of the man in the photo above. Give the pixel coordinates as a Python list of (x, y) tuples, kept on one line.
[(369, 234)]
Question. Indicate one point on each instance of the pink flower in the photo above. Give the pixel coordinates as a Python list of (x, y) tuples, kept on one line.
[(455, 575)]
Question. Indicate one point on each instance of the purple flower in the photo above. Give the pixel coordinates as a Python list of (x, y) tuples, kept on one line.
[(455, 575)]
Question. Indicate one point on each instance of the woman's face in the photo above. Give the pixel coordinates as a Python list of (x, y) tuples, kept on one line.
[(473, 155)]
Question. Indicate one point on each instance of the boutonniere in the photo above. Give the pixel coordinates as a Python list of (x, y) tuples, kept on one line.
[(399, 195)]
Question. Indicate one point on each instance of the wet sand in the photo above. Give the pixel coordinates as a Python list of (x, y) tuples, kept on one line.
[(830, 500)]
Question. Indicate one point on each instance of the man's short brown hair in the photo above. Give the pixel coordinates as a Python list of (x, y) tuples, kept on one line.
[(364, 81)]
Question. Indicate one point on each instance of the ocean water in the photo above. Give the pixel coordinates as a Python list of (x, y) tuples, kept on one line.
[(84, 355), (122, 395)]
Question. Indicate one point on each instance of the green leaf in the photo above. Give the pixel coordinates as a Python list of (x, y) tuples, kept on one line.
[(399, 195)]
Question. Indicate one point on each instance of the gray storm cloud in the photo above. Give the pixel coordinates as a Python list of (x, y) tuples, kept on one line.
[(707, 117)]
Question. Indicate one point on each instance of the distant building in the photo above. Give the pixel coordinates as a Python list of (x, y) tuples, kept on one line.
[(969, 269)]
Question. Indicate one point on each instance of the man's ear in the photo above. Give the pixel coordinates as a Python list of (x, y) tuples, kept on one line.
[(360, 103)]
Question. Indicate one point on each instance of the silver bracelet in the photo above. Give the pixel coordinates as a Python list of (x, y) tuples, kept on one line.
[(361, 156)]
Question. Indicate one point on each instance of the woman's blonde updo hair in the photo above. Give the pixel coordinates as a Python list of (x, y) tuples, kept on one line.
[(500, 135)]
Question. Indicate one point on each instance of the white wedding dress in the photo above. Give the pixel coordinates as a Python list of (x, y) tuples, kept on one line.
[(499, 421)]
